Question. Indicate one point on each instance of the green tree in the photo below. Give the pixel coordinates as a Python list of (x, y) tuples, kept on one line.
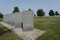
[(51, 13), (1, 15), (29, 9), (56, 13), (40, 12), (16, 9)]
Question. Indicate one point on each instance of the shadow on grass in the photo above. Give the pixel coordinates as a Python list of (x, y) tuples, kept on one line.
[(3, 31)]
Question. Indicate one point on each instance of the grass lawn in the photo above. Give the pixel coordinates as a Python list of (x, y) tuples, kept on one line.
[(6, 34), (51, 25)]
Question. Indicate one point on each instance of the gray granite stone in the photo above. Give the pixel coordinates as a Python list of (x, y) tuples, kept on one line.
[(18, 19), (22, 20), (27, 20)]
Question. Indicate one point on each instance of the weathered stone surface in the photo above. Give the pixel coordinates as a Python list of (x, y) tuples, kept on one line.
[(7, 18), (18, 19), (27, 20), (22, 19)]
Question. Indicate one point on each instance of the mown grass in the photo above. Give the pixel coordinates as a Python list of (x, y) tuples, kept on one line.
[(6, 34), (51, 25), (1, 19)]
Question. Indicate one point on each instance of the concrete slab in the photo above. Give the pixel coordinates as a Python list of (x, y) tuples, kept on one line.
[(26, 35)]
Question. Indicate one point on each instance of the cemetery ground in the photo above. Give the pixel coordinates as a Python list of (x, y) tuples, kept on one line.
[(6, 34), (50, 24)]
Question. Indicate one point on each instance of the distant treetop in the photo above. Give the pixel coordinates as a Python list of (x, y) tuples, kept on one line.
[(29, 9), (51, 13), (40, 12), (16, 9)]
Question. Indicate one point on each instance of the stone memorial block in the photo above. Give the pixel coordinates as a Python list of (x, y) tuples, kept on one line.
[(6, 18), (12, 22), (27, 17), (18, 19), (10, 19)]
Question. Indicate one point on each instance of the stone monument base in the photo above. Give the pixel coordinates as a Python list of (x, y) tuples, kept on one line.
[(27, 28), (26, 35)]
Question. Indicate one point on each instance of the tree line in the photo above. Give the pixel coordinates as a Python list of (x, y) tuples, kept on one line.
[(40, 12)]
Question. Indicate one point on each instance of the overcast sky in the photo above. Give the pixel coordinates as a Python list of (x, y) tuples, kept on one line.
[(7, 6)]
